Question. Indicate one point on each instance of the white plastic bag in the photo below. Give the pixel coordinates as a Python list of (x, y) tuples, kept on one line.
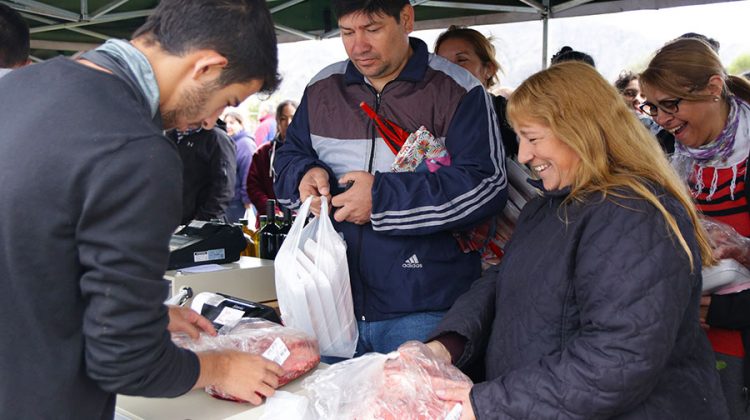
[(312, 283)]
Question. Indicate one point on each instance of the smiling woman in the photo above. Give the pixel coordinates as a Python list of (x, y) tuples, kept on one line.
[(598, 290), (690, 94)]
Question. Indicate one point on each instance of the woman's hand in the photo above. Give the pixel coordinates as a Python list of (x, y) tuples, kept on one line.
[(448, 390)]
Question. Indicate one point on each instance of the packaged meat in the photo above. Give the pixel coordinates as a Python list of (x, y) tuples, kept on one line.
[(296, 352), (727, 242), (396, 386), (726, 277)]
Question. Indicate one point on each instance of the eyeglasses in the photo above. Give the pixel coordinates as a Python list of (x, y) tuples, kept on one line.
[(669, 106)]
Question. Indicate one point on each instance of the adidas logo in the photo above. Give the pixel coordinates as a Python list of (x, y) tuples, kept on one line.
[(412, 262)]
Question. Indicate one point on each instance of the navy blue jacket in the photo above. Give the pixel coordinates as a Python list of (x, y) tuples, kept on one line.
[(406, 259), (592, 314)]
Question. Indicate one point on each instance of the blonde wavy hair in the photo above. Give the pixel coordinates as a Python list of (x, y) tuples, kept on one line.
[(616, 150)]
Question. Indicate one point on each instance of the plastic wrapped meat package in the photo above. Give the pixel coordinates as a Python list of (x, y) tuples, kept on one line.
[(396, 386), (731, 274), (727, 242), (295, 351)]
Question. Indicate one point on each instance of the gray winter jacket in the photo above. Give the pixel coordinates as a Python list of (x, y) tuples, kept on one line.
[(592, 314)]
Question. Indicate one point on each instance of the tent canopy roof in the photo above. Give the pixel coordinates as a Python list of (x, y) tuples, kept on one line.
[(66, 26)]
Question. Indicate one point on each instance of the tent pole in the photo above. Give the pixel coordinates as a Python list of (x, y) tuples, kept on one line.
[(545, 33)]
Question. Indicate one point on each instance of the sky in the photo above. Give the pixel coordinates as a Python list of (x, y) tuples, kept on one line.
[(617, 41)]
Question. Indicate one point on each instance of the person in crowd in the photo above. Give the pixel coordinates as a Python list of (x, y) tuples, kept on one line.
[(14, 40), (630, 89), (245, 147), (260, 176), (208, 173), (714, 44), (593, 312), (567, 53), (405, 267), (473, 51), (85, 220), (689, 93), (266, 130)]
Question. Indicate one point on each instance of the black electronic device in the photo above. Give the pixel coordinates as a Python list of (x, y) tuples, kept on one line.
[(223, 309), (205, 243)]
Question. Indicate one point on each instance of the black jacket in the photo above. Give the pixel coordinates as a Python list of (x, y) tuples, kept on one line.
[(593, 313), (208, 176)]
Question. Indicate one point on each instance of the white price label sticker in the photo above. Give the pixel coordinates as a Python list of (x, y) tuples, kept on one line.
[(277, 352), (229, 316), (455, 412)]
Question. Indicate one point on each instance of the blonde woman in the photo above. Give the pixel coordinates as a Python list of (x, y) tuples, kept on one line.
[(593, 312)]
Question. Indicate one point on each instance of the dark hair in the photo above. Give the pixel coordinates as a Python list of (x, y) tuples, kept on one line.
[(569, 54), (240, 30), (283, 104), (483, 48), (624, 79), (14, 38), (714, 44), (390, 8)]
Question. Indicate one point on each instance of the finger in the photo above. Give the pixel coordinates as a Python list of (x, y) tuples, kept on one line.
[(254, 398), (275, 368), (341, 214), (321, 184), (338, 200), (450, 394), (191, 330), (204, 324), (349, 176), (265, 390), (271, 379)]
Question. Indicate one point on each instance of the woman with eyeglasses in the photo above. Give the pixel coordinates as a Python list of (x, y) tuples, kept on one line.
[(593, 311), (689, 93), (630, 89)]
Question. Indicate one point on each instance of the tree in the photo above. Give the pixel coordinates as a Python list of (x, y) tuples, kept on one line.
[(740, 64)]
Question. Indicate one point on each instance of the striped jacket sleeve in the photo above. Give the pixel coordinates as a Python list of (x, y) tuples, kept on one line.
[(294, 158)]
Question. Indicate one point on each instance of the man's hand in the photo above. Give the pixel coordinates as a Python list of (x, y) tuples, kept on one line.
[(315, 183), (448, 390), (241, 375), (355, 205), (188, 321)]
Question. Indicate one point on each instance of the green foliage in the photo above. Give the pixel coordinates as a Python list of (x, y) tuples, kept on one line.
[(740, 64)]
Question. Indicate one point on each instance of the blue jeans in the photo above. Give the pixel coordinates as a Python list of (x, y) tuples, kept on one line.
[(235, 211), (386, 336)]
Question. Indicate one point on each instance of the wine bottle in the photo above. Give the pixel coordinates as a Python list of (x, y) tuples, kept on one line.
[(269, 245)]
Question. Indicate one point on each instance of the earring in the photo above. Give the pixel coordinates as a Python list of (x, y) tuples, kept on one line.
[(716, 99)]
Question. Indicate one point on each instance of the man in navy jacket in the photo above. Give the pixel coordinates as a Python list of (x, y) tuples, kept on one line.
[(405, 267)]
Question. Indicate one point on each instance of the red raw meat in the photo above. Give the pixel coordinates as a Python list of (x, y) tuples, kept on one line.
[(255, 336)]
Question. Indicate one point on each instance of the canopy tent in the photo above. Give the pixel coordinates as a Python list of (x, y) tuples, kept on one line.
[(66, 26)]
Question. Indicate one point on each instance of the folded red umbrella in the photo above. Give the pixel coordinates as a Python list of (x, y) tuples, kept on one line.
[(393, 135)]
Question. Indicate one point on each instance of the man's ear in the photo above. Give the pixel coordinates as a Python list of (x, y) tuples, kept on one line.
[(207, 65), (407, 18)]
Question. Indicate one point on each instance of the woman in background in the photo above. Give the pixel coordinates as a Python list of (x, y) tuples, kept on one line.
[(245, 146), (471, 50), (689, 93)]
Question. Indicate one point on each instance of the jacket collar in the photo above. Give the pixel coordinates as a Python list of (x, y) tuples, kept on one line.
[(538, 184), (413, 71)]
